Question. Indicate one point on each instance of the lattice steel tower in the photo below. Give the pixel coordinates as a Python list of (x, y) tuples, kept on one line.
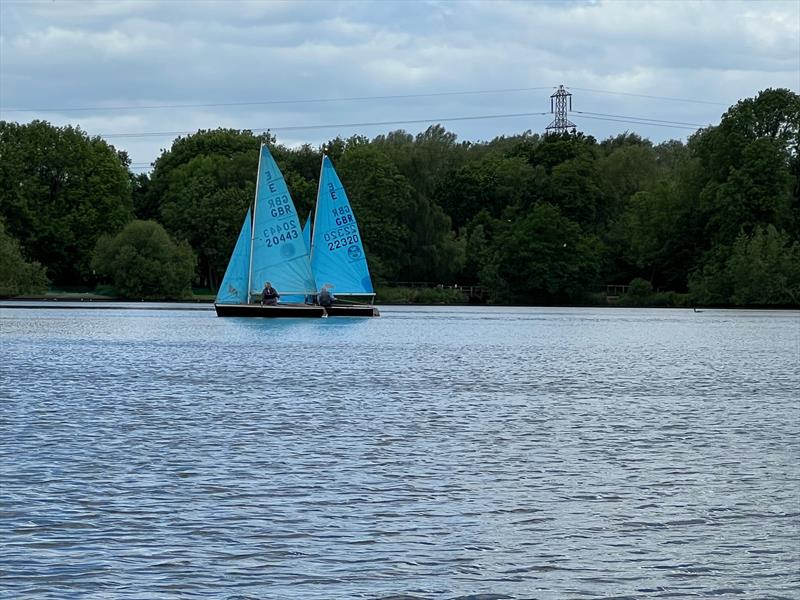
[(558, 106)]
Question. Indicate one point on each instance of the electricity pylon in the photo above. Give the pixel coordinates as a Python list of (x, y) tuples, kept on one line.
[(558, 106)]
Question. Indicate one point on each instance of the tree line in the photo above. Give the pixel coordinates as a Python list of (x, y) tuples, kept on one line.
[(532, 219)]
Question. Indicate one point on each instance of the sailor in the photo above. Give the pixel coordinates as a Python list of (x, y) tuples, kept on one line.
[(325, 296), (269, 296)]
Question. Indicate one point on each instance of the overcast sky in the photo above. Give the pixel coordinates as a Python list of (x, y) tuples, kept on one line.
[(137, 67)]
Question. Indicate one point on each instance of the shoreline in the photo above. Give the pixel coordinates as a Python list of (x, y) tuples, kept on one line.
[(100, 302)]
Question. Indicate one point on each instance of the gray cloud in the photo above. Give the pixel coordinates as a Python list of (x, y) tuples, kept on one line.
[(95, 54)]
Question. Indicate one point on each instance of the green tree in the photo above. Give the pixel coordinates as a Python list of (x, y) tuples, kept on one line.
[(746, 165), (60, 190), (18, 276), (755, 193), (425, 160), (571, 183), (383, 200), (143, 262), (640, 291), (144, 207), (746, 181), (435, 254), (477, 251), (542, 257), (657, 236), (205, 205), (573, 188), (201, 189), (628, 169), (490, 185), (765, 268), (760, 268)]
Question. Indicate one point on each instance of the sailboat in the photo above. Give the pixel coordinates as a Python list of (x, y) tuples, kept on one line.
[(270, 247), (338, 261)]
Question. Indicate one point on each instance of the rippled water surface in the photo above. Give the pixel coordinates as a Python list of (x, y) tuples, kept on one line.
[(431, 453)]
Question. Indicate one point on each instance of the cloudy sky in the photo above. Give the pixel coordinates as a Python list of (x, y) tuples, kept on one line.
[(316, 69)]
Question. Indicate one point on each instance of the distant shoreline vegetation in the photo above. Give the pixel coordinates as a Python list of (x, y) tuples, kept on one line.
[(520, 220), (401, 296)]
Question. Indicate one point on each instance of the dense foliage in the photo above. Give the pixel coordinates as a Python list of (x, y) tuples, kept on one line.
[(60, 190), (143, 262), (17, 275), (536, 219)]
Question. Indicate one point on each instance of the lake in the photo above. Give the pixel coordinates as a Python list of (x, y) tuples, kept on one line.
[(435, 452)]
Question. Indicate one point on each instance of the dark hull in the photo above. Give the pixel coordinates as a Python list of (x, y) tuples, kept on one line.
[(280, 310), (344, 310)]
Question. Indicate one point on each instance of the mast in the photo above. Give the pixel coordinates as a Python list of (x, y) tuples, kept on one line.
[(253, 225), (316, 206)]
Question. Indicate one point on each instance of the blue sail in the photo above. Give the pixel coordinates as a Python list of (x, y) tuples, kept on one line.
[(233, 289), (307, 240), (337, 255), (278, 252), (307, 234)]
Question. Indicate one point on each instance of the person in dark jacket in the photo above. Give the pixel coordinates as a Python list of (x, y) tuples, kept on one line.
[(325, 296), (269, 296)]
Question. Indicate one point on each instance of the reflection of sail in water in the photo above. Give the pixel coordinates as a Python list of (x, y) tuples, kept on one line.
[(271, 248)]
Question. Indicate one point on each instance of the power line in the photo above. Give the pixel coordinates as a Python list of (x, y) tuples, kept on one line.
[(640, 122), (585, 115), (351, 99), (273, 102), (333, 126), (639, 118), (667, 98)]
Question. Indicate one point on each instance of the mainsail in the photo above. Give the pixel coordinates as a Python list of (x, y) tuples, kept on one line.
[(233, 289), (337, 255), (278, 253)]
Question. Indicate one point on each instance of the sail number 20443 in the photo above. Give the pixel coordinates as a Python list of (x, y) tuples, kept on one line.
[(280, 207), (284, 232), (278, 238)]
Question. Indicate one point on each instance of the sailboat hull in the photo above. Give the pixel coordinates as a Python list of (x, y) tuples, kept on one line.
[(341, 310), (276, 311)]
